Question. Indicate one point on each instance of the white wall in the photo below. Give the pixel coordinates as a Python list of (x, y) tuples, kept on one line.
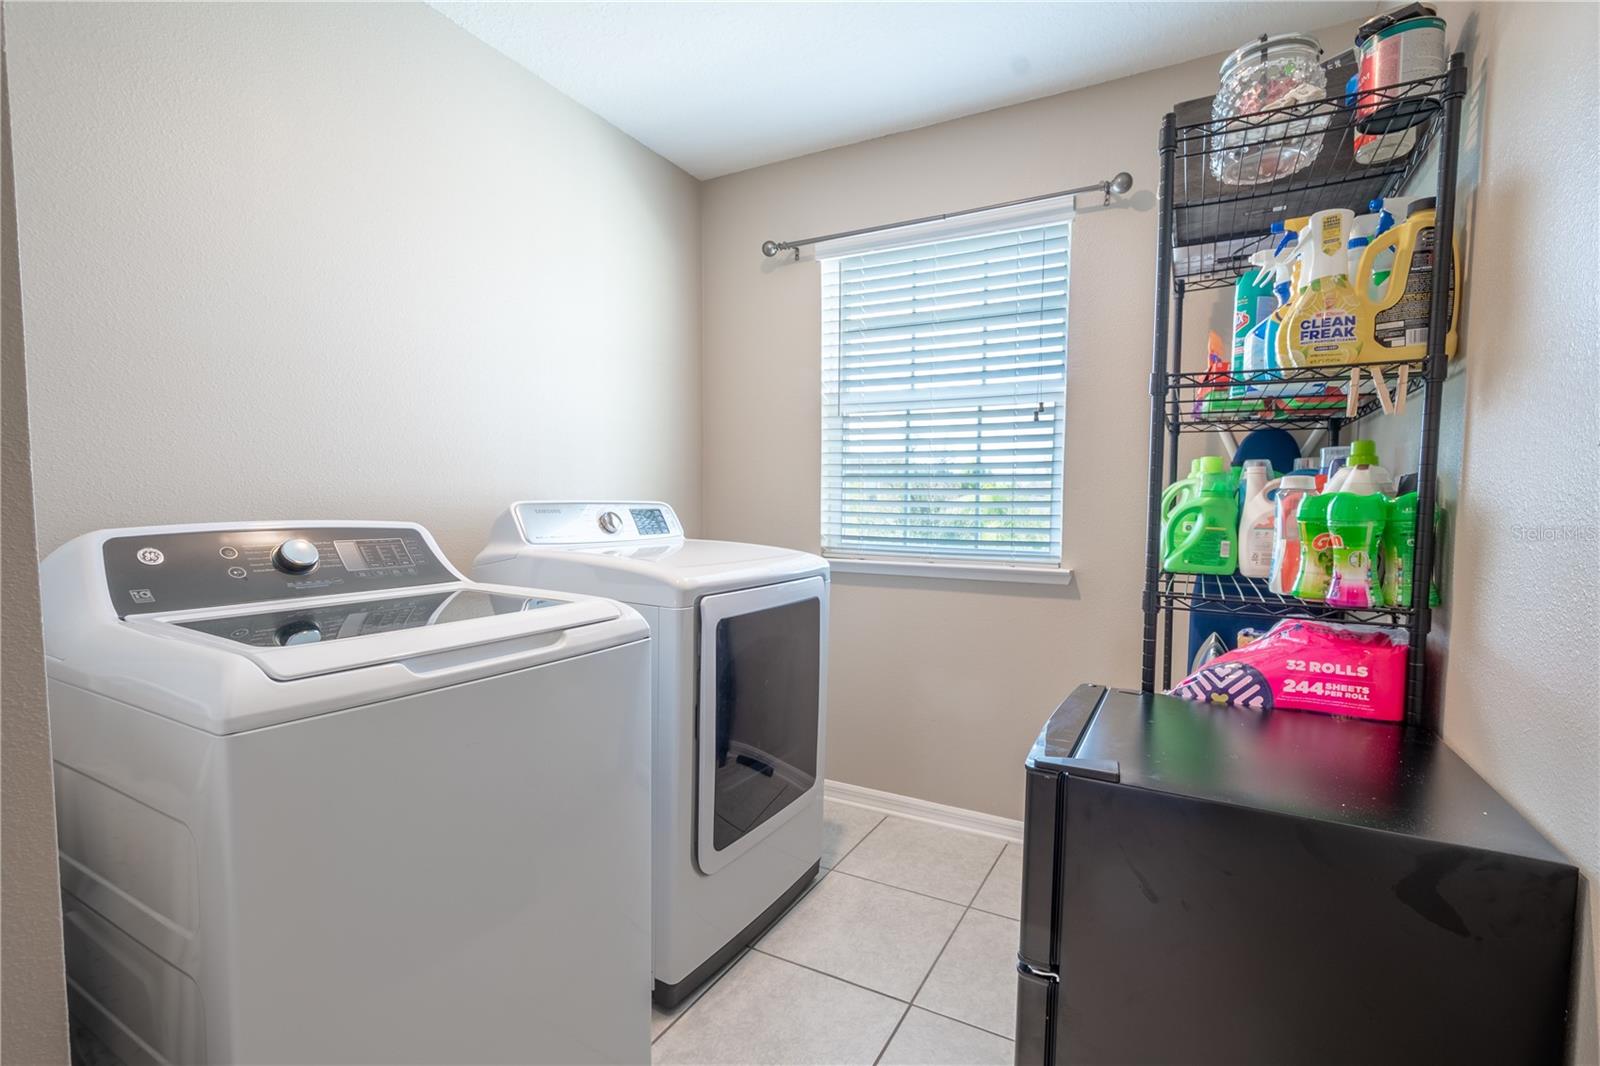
[(307, 260), (1522, 430)]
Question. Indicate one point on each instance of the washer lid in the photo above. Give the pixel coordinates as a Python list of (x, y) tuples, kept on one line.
[(659, 575), (290, 640)]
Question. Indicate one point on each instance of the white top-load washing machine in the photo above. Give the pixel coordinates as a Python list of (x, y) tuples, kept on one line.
[(320, 799), (740, 649)]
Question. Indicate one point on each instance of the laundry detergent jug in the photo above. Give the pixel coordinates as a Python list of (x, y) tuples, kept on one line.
[(1201, 536)]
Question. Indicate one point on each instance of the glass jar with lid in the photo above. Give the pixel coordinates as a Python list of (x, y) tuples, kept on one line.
[(1270, 73)]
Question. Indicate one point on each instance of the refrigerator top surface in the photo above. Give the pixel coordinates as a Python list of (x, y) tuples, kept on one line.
[(1374, 775)]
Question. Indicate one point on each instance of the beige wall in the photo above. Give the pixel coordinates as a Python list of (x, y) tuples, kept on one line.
[(33, 994), (305, 260)]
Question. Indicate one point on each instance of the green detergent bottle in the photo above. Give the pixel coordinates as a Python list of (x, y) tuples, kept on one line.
[(1182, 490), (1179, 493), (1202, 536), (1399, 547), (1355, 522), (1316, 548)]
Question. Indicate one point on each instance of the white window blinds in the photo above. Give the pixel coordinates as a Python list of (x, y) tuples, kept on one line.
[(943, 381)]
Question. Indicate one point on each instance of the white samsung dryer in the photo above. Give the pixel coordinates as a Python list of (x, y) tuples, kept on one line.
[(740, 641), (321, 799)]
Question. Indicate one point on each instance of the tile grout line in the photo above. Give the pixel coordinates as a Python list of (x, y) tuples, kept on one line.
[(881, 819), (823, 872), (906, 1013), (726, 970), (833, 976), (911, 891)]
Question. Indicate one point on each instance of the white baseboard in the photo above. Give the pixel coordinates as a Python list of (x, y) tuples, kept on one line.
[(924, 810)]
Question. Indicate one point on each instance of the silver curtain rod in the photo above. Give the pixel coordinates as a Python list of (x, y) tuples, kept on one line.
[(1118, 183)]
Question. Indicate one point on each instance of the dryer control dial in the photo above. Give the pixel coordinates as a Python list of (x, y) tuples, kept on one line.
[(296, 556), (611, 522)]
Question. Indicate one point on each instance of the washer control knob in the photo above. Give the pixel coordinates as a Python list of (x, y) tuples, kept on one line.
[(296, 556), (298, 631), (611, 522)]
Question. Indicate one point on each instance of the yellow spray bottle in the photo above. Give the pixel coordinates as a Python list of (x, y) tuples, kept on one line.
[(1322, 327), (1396, 311), (1297, 229)]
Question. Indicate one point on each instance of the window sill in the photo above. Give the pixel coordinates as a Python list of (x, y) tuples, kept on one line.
[(1001, 572)]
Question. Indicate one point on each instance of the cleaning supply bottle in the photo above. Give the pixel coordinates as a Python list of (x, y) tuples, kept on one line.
[(1255, 520), (1361, 473), (1399, 547), (1257, 357), (1181, 490), (1362, 230), (1261, 353), (1201, 535), (1322, 325), (1252, 301), (1397, 306), (1178, 493), (1333, 458), (1286, 531), (1316, 548), (1390, 210), (1295, 266), (1355, 523)]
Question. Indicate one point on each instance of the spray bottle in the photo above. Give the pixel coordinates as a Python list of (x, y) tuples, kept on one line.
[(1257, 354), (1252, 301), (1322, 324)]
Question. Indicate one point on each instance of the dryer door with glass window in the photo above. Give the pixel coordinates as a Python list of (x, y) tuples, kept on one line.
[(760, 713)]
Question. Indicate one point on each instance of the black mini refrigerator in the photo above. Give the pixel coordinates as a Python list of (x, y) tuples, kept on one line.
[(1204, 884)]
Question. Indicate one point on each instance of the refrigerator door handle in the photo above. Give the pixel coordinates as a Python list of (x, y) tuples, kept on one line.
[(1036, 998), (1033, 971)]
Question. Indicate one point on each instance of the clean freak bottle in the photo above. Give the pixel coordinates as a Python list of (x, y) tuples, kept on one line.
[(1321, 327)]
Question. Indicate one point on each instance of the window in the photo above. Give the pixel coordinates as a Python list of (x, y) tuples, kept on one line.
[(943, 382)]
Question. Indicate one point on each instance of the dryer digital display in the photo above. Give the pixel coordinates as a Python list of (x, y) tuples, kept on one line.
[(649, 521)]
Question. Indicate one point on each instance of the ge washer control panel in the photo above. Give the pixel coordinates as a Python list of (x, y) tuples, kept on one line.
[(212, 568)]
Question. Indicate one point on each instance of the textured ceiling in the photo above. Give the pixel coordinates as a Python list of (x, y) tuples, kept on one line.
[(721, 87)]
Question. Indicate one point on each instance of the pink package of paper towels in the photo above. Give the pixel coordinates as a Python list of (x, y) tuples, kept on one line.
[(1357, 672)]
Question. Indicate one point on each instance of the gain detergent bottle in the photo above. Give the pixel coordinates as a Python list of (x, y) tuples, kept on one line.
[(1316, 548), (1356, 522), (1202, 535), (1321, 327)]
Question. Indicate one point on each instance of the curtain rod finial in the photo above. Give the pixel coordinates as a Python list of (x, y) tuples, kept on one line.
[(770, 248)]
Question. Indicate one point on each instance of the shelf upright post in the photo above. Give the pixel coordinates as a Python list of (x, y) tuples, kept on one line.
[(1168, 148), (1423, 559), (1174, 414)]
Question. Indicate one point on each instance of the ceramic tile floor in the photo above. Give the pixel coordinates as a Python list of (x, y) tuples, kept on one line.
[(903, 951)]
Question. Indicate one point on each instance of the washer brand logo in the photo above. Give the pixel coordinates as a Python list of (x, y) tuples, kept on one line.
[(150, 556)]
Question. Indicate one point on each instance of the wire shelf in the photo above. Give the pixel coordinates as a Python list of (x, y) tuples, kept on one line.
[(1298, 398), (1218, 224), (1235, 595)]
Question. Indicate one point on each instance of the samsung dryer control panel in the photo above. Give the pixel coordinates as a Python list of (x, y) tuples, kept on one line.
[(191, 569), (571, 522)]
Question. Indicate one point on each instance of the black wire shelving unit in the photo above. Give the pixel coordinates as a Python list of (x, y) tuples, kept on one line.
[(1208, 230)]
